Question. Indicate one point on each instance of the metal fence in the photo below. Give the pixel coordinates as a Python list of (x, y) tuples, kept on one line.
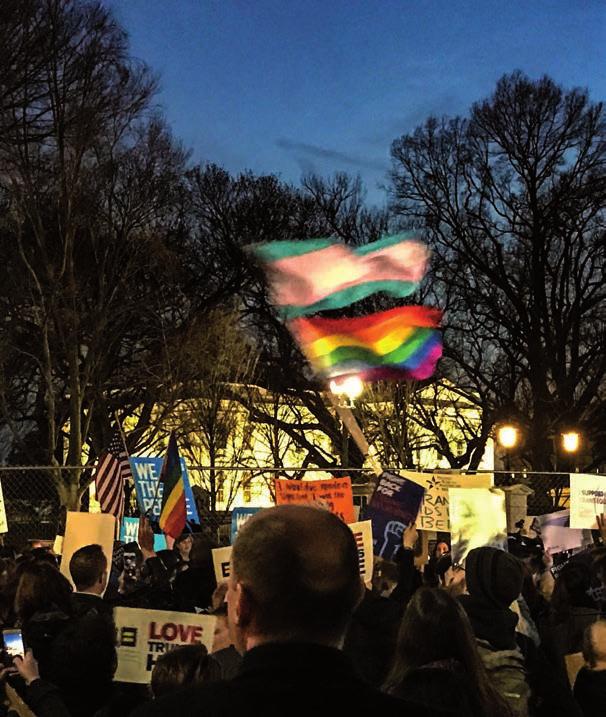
[(34, 512)]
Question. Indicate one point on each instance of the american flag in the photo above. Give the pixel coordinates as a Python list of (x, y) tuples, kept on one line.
[(113, 469)]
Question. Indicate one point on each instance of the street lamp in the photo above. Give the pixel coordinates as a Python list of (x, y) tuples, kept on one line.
[(571, 441), (350, 386), (507, 436)]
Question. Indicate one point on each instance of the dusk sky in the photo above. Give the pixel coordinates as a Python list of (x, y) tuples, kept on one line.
[(292, 86)]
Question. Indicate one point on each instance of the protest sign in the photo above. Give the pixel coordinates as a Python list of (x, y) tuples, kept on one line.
[(362, 532), (221, 563), (146, 635), (477, 519), (393, 506), (129, 533), (333, 494), (146, 472), (434, 514), (87, 529), (557, 536), (239, 516), (3, 521), (587, 500)]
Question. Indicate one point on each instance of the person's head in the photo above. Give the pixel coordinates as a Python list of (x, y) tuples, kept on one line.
[(294, 576), (88, 568), (41, 588), (183, 546), (594, 645), (493, 576), (440, 549), (435, 630), (183, 667)]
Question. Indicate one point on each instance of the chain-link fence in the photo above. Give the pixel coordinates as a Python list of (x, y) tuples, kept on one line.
[(34, 512)]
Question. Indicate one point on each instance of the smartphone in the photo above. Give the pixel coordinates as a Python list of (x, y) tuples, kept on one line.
[(13, 643)]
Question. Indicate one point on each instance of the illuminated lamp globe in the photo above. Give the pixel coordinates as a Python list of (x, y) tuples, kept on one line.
[(351, 386), (571, 441), (507, 436)]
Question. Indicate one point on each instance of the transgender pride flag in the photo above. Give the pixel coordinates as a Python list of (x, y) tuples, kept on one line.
[(315, 275)]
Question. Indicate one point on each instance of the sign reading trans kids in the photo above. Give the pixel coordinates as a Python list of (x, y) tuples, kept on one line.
[(146, 635), (146, 472)]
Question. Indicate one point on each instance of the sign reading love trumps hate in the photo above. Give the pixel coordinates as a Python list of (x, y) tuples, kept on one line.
[(394, 506), (146, 635)]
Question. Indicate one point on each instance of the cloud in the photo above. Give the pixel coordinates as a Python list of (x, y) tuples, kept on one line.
[(306, 153)]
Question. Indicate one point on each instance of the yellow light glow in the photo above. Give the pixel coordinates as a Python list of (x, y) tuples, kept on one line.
[(571, 441), (507, 436), (351, 386)]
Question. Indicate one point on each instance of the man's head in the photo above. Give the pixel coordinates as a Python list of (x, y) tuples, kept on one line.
[(88, 568), (594, 645), (493, 576), (294, 577)]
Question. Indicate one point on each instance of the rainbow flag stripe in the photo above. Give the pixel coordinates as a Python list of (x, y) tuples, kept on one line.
[(315, 275), (173, 514), (400, 343)]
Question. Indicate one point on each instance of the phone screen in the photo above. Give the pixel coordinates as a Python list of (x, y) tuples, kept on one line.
[(13, 643)]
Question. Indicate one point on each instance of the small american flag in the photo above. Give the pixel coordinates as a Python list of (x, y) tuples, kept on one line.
[(113, 469)]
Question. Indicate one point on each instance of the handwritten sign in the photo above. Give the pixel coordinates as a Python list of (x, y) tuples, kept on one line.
[(334, 494), (222, 563), (587, 500), (393, 506), (362, 532), (477, 518), (146, 635), (434, 513), (239, 517), (146, 472)]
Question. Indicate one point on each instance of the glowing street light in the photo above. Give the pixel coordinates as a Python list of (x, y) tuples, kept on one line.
[(350, 386), (507, 436), (571, 441)]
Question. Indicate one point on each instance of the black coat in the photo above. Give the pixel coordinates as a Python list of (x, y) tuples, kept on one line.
[(286, 679), (590, 691), (85, 604)]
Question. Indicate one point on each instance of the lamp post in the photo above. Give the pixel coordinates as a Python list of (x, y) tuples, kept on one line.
[(351, 387), (508, 437)]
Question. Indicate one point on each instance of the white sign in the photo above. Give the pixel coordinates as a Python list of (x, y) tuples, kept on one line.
[(587, 500), (477, 519), (87, 529), (553, 530), (146, 635), (434, 512), (362, 532), (221, 563)]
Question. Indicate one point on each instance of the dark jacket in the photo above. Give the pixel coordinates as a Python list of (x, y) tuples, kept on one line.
[(371, 638), (442, 687), (286, 678), (590, 691), (496, 626), (85, 604), (40, 633)]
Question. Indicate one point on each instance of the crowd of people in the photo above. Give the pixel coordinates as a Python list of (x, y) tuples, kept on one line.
[(297, 631)]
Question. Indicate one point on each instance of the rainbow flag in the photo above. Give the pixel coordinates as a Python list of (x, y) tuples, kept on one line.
[(400, 343), (173, 513), (314, 275)]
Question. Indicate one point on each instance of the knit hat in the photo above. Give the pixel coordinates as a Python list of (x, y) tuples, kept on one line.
[(493, 575)]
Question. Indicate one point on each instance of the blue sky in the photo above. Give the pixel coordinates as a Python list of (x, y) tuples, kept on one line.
[(291, 86)]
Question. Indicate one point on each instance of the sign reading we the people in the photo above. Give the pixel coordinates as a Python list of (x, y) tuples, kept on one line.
[(221, 563), (146, 635), (334, 494), (146, 472), (434, 513)]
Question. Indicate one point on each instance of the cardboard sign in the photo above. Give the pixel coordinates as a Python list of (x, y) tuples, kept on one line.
[(145, 635), (222, 563), (587, 499), (87, 529), (393, 506), (362, 532), (239, 516), (477, 519), (557, 536), (434, 513), (146, 472), (334, 494), (129, 533)]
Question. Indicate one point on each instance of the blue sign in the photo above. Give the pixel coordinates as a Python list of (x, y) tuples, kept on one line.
[(239, 516), (146, 472), (129, 533), (392, 508)]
